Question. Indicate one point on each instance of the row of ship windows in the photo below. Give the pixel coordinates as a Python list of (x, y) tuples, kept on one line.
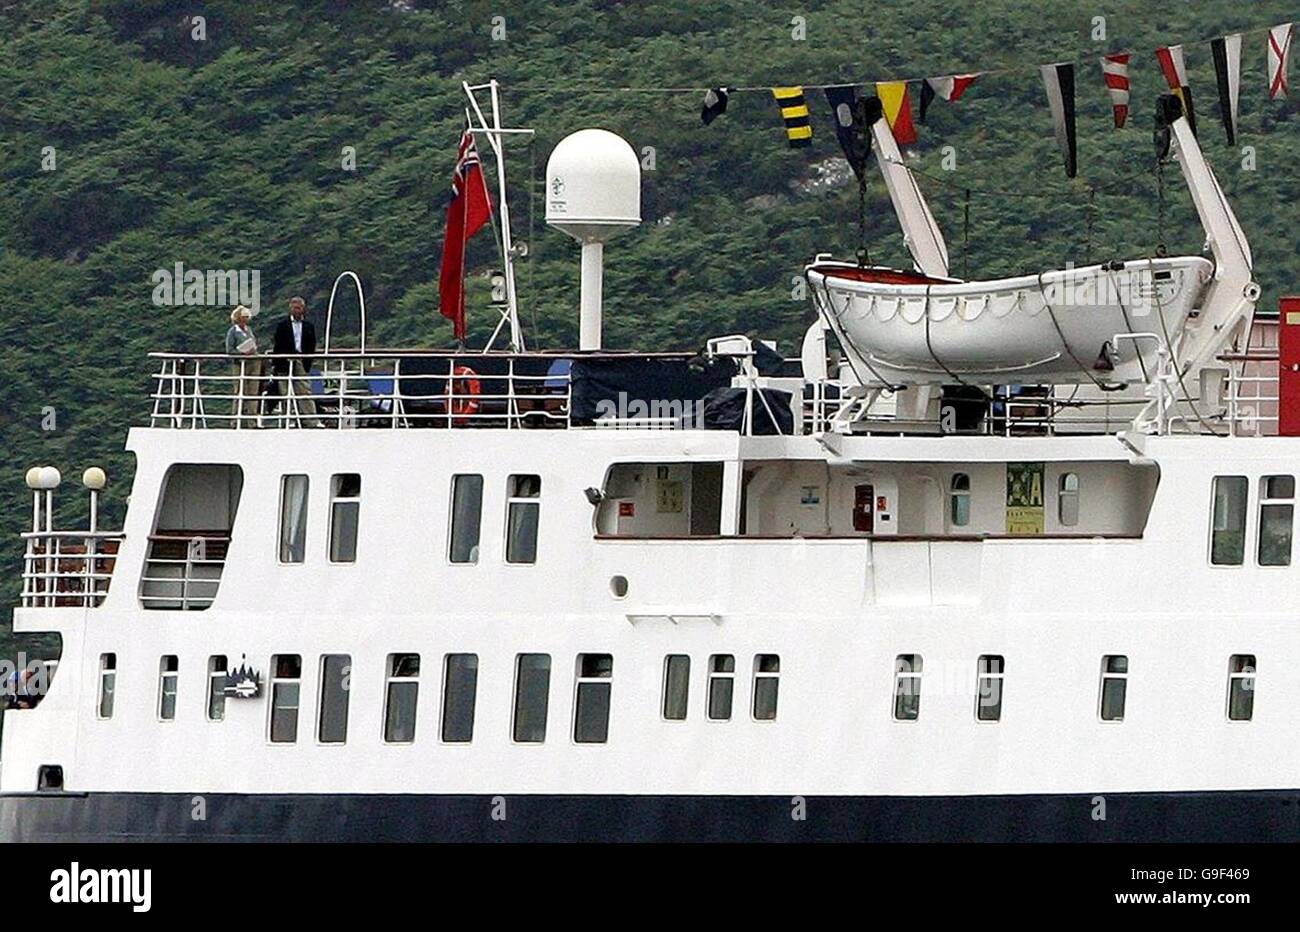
[(1112, 692), (593, 685), (523, 511), (1273, 529)]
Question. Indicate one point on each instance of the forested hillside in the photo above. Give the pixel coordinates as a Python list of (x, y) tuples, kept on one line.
[(228, 152)]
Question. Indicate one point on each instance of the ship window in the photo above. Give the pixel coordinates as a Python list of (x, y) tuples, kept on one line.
[(1228, 529), (1276, 518), (286, 690), (1114, 687), (466, 518), (591, 704), (990, 671), (532, 690), (459, 691), (401, 690), (168, 673), (1067, 500), (217, 668), (907, 687), (722, 684), (767, 677), (191, 536), (959, 499), (1241, 687), (345, 510), (677, 686), (335, 685), (107, 684), (523, 509), (293, 518)]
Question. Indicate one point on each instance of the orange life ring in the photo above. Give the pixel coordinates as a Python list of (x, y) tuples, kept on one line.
[(463, 389)]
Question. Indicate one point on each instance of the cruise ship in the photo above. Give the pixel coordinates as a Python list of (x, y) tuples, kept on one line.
[(979, 561)]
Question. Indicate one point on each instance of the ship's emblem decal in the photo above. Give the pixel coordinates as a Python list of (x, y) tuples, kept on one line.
[(557, 186), (243, 682)]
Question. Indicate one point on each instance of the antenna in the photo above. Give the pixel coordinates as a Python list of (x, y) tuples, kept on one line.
[(494, 134)]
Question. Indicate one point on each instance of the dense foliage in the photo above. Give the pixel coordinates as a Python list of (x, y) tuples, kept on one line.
[(228, 153)]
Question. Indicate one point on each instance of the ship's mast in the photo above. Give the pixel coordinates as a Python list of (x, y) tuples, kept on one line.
[(494, 132)]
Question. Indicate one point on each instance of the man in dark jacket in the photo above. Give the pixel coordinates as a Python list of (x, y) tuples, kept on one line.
[(295, 336)]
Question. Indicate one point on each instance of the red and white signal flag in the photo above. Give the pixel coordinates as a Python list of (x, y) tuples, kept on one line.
[(1114, 68), (1279, 50)]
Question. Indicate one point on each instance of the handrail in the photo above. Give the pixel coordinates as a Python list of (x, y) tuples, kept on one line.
[(68, 568), (329, 310)]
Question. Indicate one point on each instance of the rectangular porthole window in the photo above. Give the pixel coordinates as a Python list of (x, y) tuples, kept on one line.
[(286, 692), (168, 673), (345, 511), (293, 518), (532, 695), (907, 687), (107, 685), (401, 691), (1276, 519), (523, 511), (335, 684), (466, 518), (677, 686), (1067, 500), (722, 686), (459, 692), (959, 500), (990, 671), (1228, 524), (767, 679), (1241, 687), (217, 669), (592, 699), (1114, 687)]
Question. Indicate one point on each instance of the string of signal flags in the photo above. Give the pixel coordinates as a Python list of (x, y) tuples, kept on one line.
[(1059, 81)]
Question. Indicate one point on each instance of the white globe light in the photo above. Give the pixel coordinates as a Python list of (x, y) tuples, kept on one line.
[(94, 478), (34, 477), (50, 477)]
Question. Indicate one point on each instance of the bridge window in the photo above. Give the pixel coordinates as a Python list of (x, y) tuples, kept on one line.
[(1067, 500), (293, 518), (345, 510), (959, 500), (1114, 687), (990, 671), (1228, 526), (677, 686), (907, 687), (191, 534), (217, 668), (401, 692), (168, 673), (532, 696), (1241, 687), (286, 691), (335, 682), (722, 685), (1276, 518), (591, 704), (107, 685), (767, 677), (523, 509), (466, 518), (459, 692)]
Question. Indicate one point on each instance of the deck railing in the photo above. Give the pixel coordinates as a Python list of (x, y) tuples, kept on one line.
[(349, 390), (68, 568), (1252, 393)]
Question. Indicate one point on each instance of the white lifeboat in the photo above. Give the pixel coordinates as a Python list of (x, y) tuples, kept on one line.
[(1058, 327)]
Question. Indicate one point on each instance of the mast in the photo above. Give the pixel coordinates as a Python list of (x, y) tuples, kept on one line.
[(494, 133), (920, 231)]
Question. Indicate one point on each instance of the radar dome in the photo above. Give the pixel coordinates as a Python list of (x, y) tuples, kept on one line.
[(593, 185)]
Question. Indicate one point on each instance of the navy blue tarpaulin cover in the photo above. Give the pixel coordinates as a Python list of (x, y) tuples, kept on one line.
[(639, 386), (724, 409)]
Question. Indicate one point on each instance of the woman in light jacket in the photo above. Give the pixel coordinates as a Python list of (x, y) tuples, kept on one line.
[(241, 343)]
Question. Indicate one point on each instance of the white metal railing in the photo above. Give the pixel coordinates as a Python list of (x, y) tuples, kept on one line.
[(183, 571), (1252, 393), (68, 568), (353, 390)]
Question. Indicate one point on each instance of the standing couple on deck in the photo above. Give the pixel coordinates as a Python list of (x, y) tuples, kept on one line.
[(293, 346)]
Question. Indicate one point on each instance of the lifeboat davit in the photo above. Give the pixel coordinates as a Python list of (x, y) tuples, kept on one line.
[(1055, 327)]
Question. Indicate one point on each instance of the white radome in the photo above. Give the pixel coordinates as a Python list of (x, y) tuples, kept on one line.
[(593, 185)]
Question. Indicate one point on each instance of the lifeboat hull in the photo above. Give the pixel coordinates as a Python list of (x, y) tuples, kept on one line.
[(1058, 327)]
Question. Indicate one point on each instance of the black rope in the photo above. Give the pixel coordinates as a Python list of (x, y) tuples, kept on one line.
[(864, 254), (1092, 204), (965, 238)]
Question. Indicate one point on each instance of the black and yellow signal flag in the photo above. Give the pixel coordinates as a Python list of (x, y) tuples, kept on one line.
[(794, 111)]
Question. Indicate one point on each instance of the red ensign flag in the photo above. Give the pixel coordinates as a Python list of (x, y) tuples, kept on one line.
[(469, 209)]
